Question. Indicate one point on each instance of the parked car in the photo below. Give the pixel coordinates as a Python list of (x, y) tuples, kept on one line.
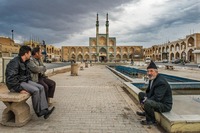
[(148, 60), (48, 60), (199, 66), (172, 61), (186, 61), (176, 61), (164, 61)]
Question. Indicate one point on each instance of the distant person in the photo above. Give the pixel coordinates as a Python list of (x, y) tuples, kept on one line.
[(38, 69), (158, 96), (18, 79), (132, 62)]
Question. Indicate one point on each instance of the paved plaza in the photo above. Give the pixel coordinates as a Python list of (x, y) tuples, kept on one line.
[(92, 102)]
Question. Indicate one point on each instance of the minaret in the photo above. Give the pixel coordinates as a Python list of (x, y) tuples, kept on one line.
[(107, 25), (97, 30), (107, 30), (107, 33)]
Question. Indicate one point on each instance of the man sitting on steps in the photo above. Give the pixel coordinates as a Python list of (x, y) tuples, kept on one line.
[(158, 96)]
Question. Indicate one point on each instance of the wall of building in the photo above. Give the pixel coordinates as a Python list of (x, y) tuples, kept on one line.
[(8, 48), (80, 53), (179, 49), (52, 52)]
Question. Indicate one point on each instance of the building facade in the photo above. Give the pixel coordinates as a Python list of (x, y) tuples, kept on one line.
[(8, 48), (50, 51), (187, 49), (102, 47)]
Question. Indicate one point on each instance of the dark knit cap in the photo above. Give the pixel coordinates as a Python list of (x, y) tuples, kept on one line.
[(152, 65)]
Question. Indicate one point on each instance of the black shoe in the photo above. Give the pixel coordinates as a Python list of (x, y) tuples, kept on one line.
[(49, 113), (140, 113), (145, 122), (42, 112)]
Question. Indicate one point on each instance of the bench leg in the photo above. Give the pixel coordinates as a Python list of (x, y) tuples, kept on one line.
[(16, 114)]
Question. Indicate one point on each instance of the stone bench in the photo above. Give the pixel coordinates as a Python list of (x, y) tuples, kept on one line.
[(17, 111)]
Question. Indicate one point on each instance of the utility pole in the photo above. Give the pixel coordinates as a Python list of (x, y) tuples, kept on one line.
[(12, 35)]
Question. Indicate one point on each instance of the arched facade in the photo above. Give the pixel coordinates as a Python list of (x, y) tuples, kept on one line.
[(187, 49), (103, 48)]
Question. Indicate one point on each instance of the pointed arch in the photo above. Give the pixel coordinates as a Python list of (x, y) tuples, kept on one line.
[(102, 52), (111, 50), (118, 50), (131, 50), (125, 57), (183, 45), (190, 42), (102, 41), (177, 47), (73, 50), (190, 55), (118, 57), (94, 57), (111, 43), (172, 56), (80, 50), (125, 50), (177, 55), (86, 57), (80, 57), (94, 50)]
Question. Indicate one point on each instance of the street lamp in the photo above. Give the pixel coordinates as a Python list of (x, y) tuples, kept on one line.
[(12, 34)]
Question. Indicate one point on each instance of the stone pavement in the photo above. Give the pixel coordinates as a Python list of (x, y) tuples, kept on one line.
[(92, 102)]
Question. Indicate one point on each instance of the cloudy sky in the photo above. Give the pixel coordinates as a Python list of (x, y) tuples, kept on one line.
[(72, 22)]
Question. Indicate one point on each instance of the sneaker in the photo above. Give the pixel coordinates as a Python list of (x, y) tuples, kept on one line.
[(48, 113), (145, 122), (140, 113)]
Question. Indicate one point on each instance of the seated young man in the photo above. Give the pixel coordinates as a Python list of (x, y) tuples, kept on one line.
[(18, 79), (38, 73)]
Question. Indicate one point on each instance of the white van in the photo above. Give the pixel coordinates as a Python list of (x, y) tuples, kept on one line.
[(147, 60)]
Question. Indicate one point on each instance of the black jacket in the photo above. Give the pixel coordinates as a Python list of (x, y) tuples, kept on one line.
[(16, 72), (160, 92)]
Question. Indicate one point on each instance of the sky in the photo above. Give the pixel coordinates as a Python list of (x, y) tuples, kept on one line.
[(72, 22)]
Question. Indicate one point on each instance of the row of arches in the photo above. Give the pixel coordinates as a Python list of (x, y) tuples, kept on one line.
[(101, 53), (177, 55), (172, 47), (175, 50), (81, 57), (110, 50)]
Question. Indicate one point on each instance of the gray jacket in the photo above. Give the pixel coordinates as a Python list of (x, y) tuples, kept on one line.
[(37, 68)]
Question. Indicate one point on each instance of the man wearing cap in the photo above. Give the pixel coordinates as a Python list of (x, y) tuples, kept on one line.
[(158, 96)]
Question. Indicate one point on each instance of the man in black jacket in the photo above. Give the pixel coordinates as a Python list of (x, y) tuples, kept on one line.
[(158, 95), (18, 79)]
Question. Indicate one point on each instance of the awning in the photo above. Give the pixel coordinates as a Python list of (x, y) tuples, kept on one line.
[(196, 52)]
